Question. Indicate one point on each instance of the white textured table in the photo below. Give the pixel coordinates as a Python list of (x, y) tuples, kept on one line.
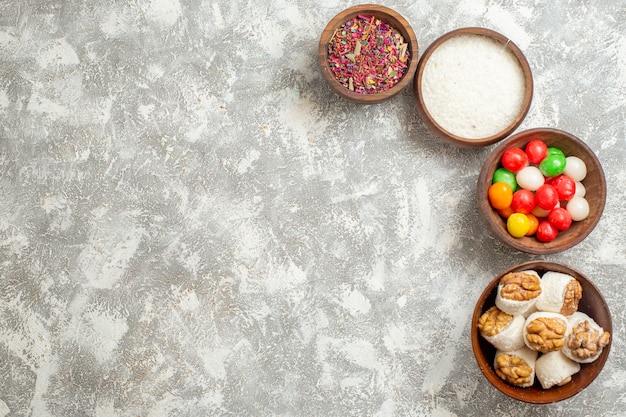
[(193, 224)]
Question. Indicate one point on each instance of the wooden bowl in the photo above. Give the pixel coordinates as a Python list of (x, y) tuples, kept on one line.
[(430, 121), (386, 15), (594, 183), (592, 303)]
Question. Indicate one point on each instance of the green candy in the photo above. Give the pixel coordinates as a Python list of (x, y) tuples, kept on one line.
[(555, 151), (505, 176), (553, 164)]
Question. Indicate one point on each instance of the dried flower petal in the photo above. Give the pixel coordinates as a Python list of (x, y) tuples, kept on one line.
[(367, 55)]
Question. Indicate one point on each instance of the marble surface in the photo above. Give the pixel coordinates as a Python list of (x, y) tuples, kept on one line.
[(193, 224)]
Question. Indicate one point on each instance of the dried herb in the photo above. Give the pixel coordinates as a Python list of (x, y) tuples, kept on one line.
[(367, 55)]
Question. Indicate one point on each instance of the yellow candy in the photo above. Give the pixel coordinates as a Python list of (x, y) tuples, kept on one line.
[(518, 224)]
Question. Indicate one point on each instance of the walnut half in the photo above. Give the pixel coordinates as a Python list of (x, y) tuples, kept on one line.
[(520, 286), (493, 321), (585, 341), (573, 294), (513, 369), (545, 334)]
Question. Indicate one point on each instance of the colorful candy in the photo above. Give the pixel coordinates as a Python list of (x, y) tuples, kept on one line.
[(518, 224), (581, 191), (553, 164), (523, 201), (560, 218), (514, 159), (555, 151), (534, 224), (500, 195), (541, 213), (575, 168), (505, 212), (536, 151), (578, 208), (547, 197), (504, 175), (565, 187), (530, 178), (539, 191), (546, 231)]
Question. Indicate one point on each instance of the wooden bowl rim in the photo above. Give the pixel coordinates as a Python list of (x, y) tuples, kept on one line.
[(529, 244), (589, 372), (390, 17), (435, 127)]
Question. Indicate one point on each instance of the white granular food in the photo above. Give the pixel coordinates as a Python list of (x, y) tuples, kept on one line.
[(473, 86)]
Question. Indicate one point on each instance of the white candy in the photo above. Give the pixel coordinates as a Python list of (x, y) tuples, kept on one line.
[(514, 306), (510, 338), (573, 321), (578, 208), (539, 212), (554, 368), (581, 191), (553, 287), (529, 356), (575, 168), (530, 178)]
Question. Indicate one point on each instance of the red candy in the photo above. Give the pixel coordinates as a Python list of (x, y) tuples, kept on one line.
[(560, 218), (536, 150), (546, 232), (523, 201), (547, 197), (514, 159), (565, 186)]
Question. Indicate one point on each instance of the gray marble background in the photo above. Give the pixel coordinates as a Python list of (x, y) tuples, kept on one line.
[(193, 224)]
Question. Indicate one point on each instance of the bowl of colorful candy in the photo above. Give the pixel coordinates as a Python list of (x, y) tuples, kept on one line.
[(541, 191), (473, 87), (368, 53), (541, 332)]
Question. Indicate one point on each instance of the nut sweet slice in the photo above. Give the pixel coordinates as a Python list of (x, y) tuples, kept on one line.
[(504, 331), (493, 321), (585, 339), (555, 369), (545, 331), (516, 368), (518, 291), (561, 293), (573, 294), (520, 286)]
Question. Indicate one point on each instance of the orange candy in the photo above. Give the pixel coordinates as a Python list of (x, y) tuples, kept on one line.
[(534, 224), (500, 195), (505, 212)]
